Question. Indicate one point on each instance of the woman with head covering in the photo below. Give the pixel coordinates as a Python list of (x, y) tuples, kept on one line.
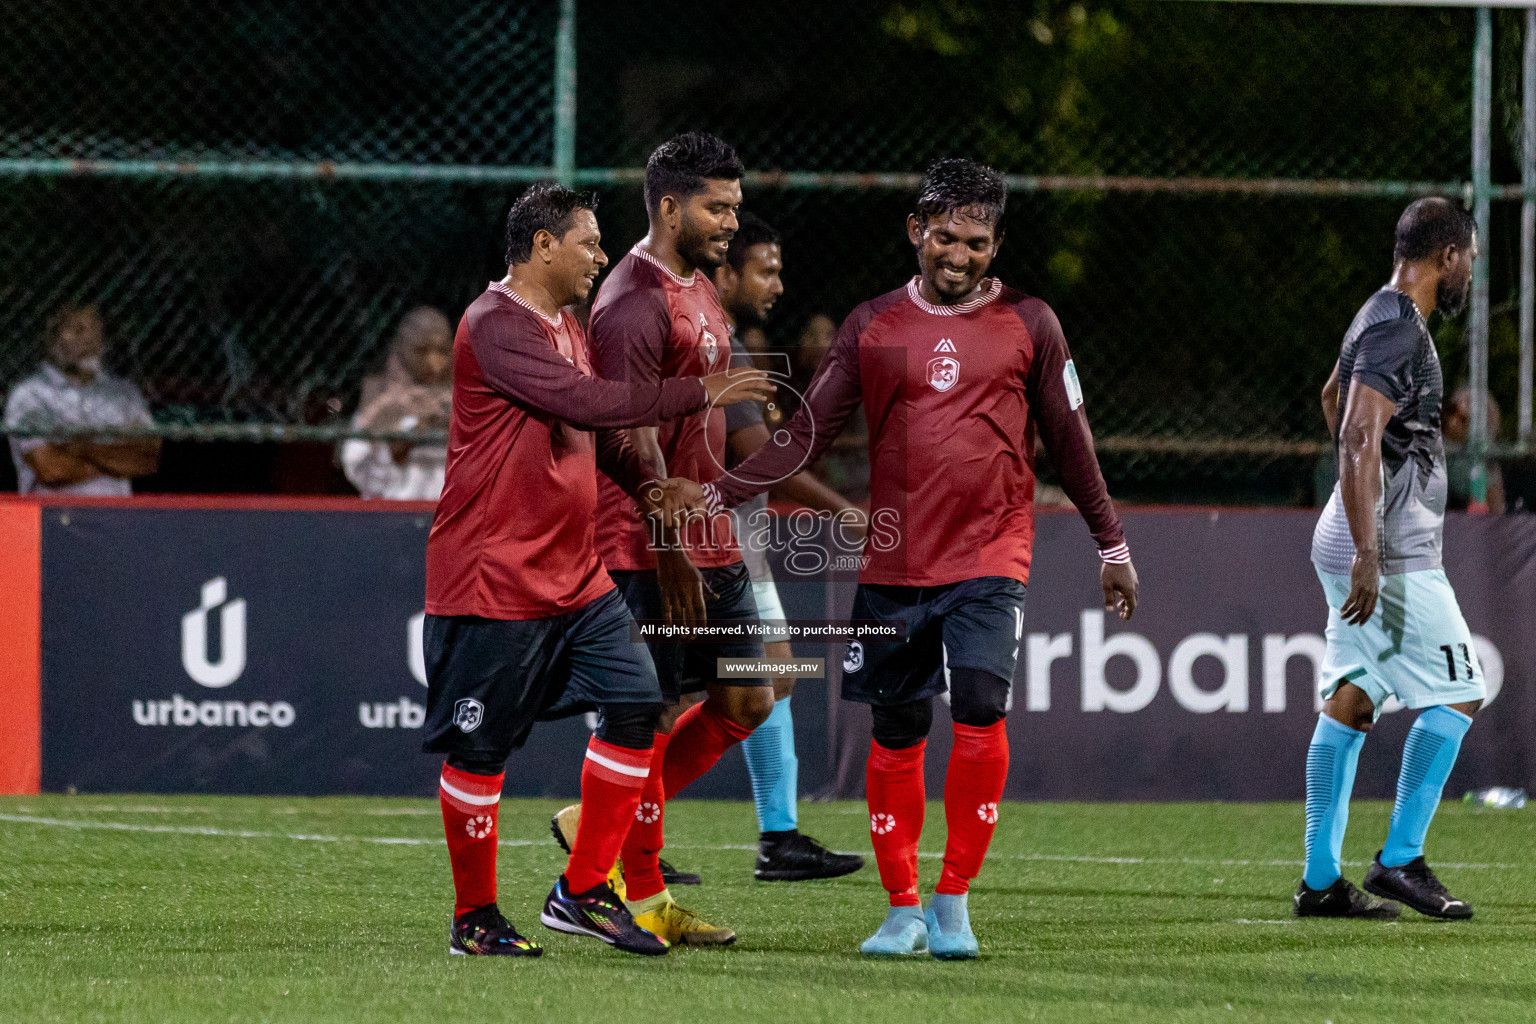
[(413, 394)]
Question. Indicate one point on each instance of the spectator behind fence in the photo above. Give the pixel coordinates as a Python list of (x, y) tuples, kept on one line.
[(415, 392), (71, 390), (1458, 466)]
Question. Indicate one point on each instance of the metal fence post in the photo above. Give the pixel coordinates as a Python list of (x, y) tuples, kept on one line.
[(1477, 326), (565, 94), (1527, 228)]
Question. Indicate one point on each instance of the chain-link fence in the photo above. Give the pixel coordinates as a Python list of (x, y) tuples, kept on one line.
[(254, 192)]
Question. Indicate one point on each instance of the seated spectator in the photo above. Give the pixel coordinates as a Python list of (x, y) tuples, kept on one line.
[(1457, 422), (71, 390), (414, 393)]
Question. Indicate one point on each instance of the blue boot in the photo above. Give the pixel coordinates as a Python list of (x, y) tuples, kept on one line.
[(949, 929), (902, 934)]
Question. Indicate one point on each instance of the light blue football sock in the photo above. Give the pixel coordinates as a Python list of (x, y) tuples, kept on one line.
[(775, 770), (1331, 761), (1428, 756)]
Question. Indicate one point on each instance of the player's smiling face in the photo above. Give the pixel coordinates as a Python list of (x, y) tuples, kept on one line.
[(708, 223), (954, 251), (579, 257)]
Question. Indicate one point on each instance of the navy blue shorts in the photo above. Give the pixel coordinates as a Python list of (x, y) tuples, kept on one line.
[(690, 667), (489, 680), (971, 624)]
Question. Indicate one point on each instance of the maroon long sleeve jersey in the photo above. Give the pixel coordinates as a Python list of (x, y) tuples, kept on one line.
[(953, 396), (649, 325), (531, 426)]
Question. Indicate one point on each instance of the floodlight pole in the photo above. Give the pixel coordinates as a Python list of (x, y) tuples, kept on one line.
[(1477, 327), (1528, 229), (565, 94)]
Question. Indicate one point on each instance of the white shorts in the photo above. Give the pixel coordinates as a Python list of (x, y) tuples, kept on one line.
[(769, 609), (1416, 647)]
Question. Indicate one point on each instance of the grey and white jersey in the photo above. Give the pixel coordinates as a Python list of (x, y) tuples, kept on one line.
[(745, 517), (1388, 348)]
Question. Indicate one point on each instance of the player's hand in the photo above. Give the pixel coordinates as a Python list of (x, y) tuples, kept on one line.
[(673, 500), (1364, 587), (1121, 588), (731, 386), (682, 588)]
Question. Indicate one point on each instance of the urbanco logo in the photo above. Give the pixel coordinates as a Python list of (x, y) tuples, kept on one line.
[(226, 668)]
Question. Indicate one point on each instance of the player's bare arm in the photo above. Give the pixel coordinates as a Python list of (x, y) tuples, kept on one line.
[(1365, 418), (1331, 401)]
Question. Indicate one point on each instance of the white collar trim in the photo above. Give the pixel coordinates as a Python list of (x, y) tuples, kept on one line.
[(686, 282), (990, 292), (530, 307)]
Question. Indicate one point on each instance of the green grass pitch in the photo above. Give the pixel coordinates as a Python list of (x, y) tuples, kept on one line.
[(234, 909)]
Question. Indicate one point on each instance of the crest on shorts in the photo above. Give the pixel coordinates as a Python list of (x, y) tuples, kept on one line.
[(853, 658), (943, 372), (468, 714), (711, 346)]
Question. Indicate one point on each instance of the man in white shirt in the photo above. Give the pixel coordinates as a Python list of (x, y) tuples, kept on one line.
[(71, 390)]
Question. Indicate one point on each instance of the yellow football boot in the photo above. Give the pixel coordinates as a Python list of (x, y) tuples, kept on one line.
[(564, 825), (662, 917)]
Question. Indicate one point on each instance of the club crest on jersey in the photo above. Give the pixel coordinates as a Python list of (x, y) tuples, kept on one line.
[(468, 714), (853, 659), (943, 372), (944, 345), (711, 346)]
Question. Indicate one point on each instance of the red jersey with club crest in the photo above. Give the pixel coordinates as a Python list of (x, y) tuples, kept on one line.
[(954, 396), (530, 429), (648, 325)]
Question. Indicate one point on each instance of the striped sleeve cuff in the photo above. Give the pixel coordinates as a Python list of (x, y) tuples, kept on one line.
[(713, 502), (1120, 554)]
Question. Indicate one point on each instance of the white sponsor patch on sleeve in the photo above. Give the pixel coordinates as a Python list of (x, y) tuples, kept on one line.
[(1074, 389)]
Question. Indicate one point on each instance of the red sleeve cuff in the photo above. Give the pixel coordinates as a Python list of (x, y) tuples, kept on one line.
[(1120, 554)]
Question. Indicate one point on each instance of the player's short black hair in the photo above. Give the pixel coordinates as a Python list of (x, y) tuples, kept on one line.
[(751, 230), (543, 206), (954, 184), (1428, 226), (680, 167)]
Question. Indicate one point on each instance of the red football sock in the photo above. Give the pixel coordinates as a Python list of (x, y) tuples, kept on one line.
[(642, 846), (611, 780), (978, 769), (893, 782), (700, 736), (469, 821)]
